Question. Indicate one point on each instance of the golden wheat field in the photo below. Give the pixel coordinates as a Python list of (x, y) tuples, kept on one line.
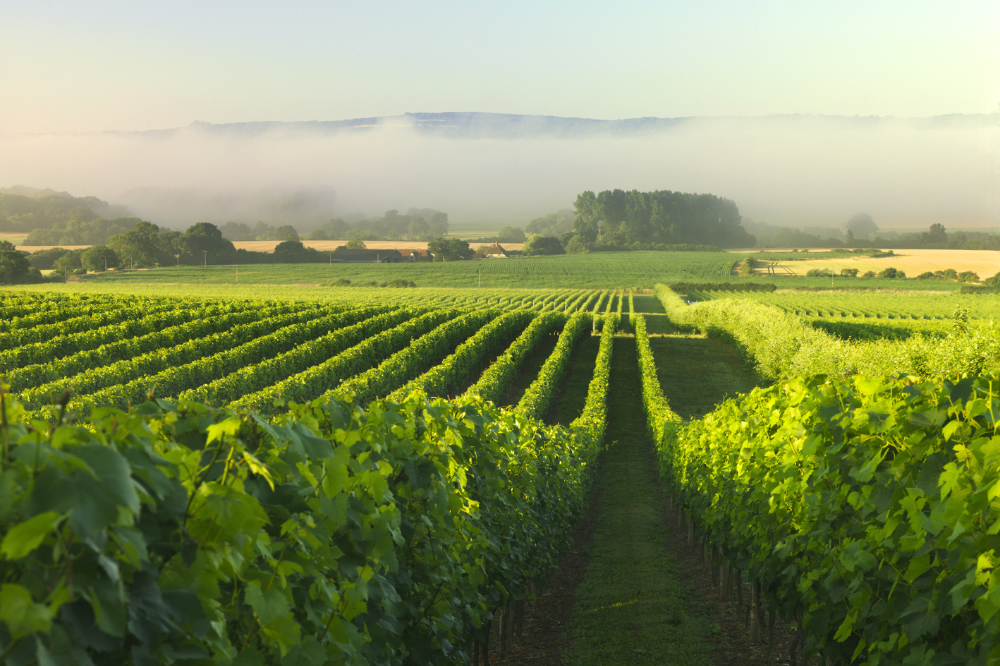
[(984, 263)]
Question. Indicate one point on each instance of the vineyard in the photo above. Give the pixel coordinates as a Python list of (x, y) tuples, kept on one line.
[(389, 476)]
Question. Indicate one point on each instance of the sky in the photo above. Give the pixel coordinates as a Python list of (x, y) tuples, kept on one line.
[(69, 69), (99, 65)]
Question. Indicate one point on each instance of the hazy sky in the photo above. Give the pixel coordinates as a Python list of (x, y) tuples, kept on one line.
[(79, 66)]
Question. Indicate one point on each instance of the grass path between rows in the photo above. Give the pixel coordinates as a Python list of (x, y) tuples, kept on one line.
[(630, 607)]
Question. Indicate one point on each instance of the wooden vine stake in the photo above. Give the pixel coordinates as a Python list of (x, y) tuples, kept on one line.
[(770, 636), (796, 648), (486, 645), (504, 629), (756, 622), (725, 584)]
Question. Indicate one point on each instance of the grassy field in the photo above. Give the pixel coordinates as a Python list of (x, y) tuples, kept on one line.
[(611, 270), (603, 270)]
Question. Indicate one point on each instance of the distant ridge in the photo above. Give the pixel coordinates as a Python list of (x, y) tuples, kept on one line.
[(475, 125)]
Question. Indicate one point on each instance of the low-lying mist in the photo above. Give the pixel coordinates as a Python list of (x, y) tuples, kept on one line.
[(796, 171)]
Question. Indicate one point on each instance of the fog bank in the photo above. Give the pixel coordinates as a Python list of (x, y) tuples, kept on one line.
[(795, 171)]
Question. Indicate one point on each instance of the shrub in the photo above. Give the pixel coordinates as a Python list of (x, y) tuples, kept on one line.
[(891, 272), (819, 272), (926, 275), (968, 276), (848, 272), (868, 274)]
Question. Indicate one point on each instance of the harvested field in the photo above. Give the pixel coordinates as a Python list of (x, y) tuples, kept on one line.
[(984, 263), (31, 249)]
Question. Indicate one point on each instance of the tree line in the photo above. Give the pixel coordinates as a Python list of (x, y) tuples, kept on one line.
[(147, 245), (421, 224), (616, 219)]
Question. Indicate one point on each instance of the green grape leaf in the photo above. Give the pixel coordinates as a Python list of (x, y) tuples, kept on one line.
[(20, 613), (269, 605), (29, 535)]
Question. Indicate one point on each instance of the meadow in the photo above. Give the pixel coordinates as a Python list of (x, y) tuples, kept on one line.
[(359, 474)]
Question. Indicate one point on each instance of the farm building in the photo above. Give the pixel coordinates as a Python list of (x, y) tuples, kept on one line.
[(493, 251), (415, 255), (344, 256)]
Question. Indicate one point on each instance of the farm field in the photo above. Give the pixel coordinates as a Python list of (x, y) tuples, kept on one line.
[(984, 263), (16, 239), (612, 270), (599, 271), (308, 422)]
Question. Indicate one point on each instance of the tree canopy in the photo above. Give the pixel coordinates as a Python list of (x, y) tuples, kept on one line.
[(450, 249), (537, 245), (617, 217), (14, 265)]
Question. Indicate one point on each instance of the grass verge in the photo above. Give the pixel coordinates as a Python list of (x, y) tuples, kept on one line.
[(573, 392), (630, 608), (697, 373)]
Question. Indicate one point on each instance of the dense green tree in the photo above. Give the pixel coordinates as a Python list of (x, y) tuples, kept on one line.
[(450, 249), (142, 246), (615, 218), (356, 244), (542, 245), (14, 265), (99, 258), (68, 262), (575, 245), (204, 243), (45, 259), (292, 251)]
